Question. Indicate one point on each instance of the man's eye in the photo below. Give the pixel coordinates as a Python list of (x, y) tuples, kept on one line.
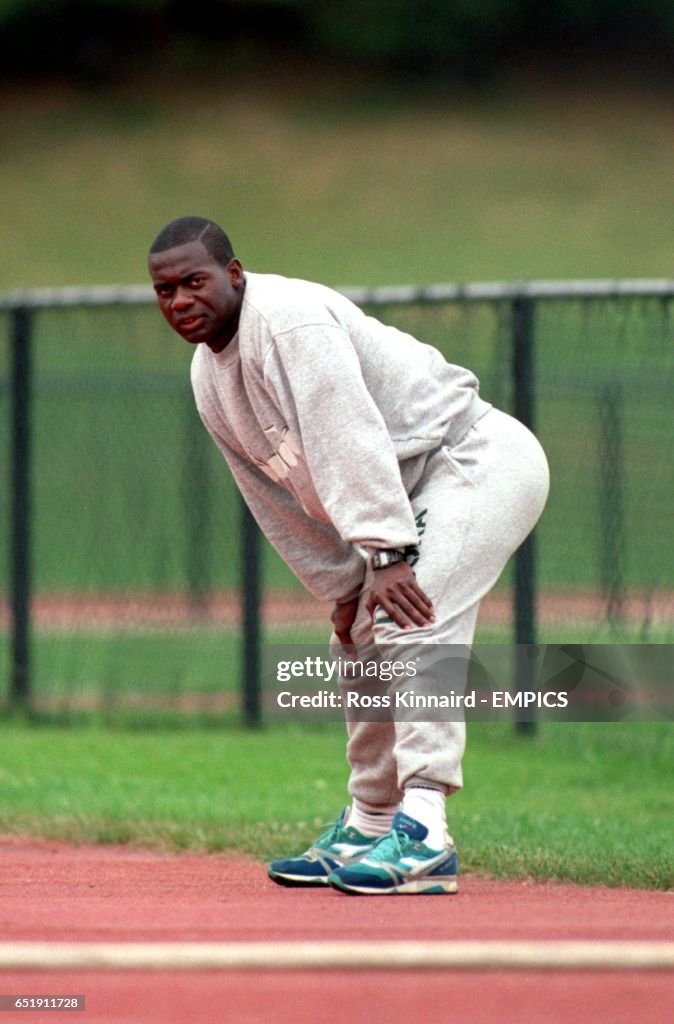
[(196, 281)]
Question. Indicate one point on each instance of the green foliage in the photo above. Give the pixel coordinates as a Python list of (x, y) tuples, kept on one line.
[(463, 38), (424, 35)]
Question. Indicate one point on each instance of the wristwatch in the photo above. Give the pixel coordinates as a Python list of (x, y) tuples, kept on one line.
[(384, 557)]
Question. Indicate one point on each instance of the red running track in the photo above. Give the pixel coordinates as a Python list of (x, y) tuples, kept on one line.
[(53, 892)]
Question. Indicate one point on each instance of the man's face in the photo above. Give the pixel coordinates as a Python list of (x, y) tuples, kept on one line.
[(200, 298)]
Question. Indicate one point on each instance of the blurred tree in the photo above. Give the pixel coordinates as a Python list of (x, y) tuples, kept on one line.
[(96, 39), (422, 35), (476, 37), (90, 40)]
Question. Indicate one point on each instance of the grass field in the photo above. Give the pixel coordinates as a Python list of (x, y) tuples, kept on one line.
[(588, 803), (345, 181)]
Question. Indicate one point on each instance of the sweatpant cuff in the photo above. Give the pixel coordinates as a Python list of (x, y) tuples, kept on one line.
[(420, 783)]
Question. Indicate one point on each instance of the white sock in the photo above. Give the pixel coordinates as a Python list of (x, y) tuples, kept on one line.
[(371, 819), (428, 807)]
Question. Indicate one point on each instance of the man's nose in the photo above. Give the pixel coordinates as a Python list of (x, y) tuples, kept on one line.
[(181, 300)]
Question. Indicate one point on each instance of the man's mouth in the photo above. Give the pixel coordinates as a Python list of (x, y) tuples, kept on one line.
[(188, 324)]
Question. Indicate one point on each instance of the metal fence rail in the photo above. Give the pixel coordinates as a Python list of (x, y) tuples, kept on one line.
[(558, 355), (395, 295)]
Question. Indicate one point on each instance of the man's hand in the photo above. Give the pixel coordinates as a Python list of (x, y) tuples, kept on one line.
[(343, 617), (396, 590)]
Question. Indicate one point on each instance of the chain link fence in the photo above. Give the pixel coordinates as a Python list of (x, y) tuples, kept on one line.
[(129, 576)]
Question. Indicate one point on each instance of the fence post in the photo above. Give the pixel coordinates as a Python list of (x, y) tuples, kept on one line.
[(20, 489), (250, 590), (611, 499), (525, 558), (197, 504)]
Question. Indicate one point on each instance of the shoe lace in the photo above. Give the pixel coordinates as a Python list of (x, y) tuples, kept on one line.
[(331, 835), (390, 847)]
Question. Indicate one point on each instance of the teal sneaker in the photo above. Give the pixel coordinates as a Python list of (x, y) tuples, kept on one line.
[(400, 862), (337, 847)]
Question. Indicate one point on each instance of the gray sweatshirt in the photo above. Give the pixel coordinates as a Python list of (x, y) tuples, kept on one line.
[(326, 418)]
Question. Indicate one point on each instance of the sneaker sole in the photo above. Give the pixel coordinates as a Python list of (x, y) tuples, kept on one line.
[(416, 887), (297, 881)]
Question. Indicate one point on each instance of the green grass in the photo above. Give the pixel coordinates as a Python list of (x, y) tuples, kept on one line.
[(319, 176), (583, 803)]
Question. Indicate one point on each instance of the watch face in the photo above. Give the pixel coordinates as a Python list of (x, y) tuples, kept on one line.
[(382, 559)]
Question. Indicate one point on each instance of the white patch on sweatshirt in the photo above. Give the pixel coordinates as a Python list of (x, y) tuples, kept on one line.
[(286, 450)]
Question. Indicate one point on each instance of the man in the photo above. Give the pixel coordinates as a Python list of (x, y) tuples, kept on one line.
[(388, 485)]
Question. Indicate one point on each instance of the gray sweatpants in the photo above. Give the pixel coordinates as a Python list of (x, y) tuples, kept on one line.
[(474, 506)]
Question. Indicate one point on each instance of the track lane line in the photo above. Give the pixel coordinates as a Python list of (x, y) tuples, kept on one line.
[(291, 956)]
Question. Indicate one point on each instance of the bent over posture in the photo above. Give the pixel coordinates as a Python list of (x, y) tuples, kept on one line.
[(388, 485)]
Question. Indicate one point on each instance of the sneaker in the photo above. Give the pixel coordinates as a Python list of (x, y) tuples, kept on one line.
[(400, 862), (336, 848)]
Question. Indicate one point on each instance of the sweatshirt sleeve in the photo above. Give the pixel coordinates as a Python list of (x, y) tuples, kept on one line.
[(330, 568), (317, 380)]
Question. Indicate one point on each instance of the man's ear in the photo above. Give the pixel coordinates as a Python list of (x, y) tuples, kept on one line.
[(235, 271)]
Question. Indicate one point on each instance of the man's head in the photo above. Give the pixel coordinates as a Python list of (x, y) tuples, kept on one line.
[(195, 229), (198, 281)]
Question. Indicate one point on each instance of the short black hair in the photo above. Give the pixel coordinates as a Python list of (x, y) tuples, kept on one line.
[(195, 229)]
